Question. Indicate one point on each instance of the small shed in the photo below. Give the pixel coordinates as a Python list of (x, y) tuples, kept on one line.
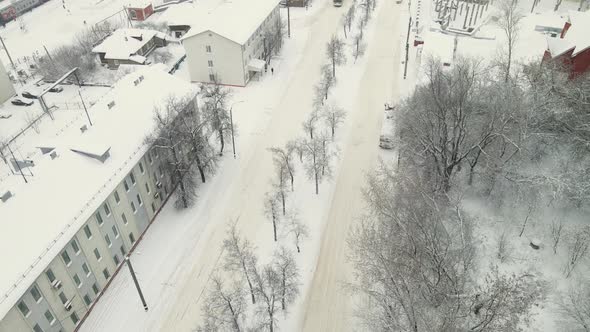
[(140, 10)]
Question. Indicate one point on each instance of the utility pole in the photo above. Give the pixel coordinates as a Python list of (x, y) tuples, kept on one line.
[(407, 48), (145, 306), (288, 18), (231, 120), (84, 105), (7, 53)]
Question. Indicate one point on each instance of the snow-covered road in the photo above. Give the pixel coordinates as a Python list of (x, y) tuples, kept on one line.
[(328, 306)]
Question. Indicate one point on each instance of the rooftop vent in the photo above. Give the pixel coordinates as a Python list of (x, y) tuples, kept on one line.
[(83, 129), (53, 155), (22, 163), (6, 196), (100, 153), (111, 104), (46, 149)]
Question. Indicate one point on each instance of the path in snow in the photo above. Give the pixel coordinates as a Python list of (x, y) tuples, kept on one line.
[(328, 306), (245, 197)]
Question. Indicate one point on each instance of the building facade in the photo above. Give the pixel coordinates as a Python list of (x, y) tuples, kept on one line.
[(140, 10), (6, 87), (230, 55), (73, 279)]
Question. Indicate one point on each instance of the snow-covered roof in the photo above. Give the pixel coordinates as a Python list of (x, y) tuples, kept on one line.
[(181, 14), (236, 20), (139, 4), (124, 43), (579, 31), (558, 46), (43, 215)]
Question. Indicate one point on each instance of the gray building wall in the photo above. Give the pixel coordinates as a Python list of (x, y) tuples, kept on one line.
[(6, 87)]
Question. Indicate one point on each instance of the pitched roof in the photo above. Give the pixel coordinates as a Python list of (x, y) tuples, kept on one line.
[(579, 31), (124, 43), (64, 192), (236, 21)]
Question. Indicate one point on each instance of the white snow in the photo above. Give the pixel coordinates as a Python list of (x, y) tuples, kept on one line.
[(123, 44), (236, 20), (121, 128)]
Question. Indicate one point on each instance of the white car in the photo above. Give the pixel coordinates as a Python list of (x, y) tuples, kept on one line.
[(386, 142)]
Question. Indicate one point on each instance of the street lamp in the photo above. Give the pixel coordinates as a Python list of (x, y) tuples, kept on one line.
[(231, 120)]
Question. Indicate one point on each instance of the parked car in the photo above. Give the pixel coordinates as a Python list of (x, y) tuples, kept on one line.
[(386, 142), (21, 102), (29, 95), (56, 89)]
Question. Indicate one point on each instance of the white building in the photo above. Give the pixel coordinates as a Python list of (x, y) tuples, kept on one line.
[(6, 87), (227, 42), (92, 192)]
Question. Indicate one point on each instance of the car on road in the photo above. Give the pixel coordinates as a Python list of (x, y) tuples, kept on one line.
[(21, 102), (29, 95), (386, 142), (56, 89)]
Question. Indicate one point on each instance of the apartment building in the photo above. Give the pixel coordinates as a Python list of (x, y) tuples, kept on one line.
[(232, 53), (95, 190), (6, 87)]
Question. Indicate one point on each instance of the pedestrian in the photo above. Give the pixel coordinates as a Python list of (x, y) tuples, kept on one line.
[(272, 70), (265, 67)]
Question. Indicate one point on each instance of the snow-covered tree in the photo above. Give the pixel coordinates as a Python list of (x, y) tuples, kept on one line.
[(239, 257), (335, 53), (271, 210), (317, 159), (509, 19), (215, 109), (286, 267), (333, 117), (310, 123), (297, 229), (224, 307), (283, 160)]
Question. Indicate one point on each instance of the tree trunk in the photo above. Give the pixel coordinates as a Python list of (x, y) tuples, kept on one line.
[(525, 221), (200, 167), (333, 124), (233, 315), (344, 27), (297, 245), (317, 189), (274, 226), (471, 168), (249, 282), (333, 66), (283, 291), (179, 175), (221, 141), (509, 63), (283, 202)]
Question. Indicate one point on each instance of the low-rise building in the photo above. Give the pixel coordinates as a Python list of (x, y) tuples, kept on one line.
[(6, 87), (572, 47), (91, 193), (140, 10), (233, 53), (129, 46)]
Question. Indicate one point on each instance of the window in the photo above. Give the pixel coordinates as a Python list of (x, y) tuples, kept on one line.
[(74, 318), (115, 231), (50, 275), (108, 240), (153, 208), (77, 280), (24, 309), (86, 269), (131, 238), (116, 259), (208, 48), (63, 298), (149, 156), (133, 14), (124, 218), (210, 63), (211, 77), (37, 328), (117, 198), (160, 170), (141, 167), (139, 200), (125, 185), (106, 274), (75, 246), (66, 258), (49, 317), (106, 209), (132, 177), (147, 187), (36, 295), (95, 289), (133, 207), (87, 299), (97, 254), (99, 219), (87, 232), (123, 251)]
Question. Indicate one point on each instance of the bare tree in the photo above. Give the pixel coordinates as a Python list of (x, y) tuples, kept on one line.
[(224, 307), (169, 140), (271, 210), (358, 47), (504, 248), (286, 267), (239, 257), (273, 38), (556, 228), (322, 89), (509, 21), (32, 121), (268, 287), (283, 159), (297, 228), (335, 53), (317, 161), (577, 249), (279, 185), (215, 109), (348, 19), (310, 122), (575, 305), (333, 116)]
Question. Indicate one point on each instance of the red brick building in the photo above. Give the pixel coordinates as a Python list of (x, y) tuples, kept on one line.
[(140, 10), (572, 47)]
